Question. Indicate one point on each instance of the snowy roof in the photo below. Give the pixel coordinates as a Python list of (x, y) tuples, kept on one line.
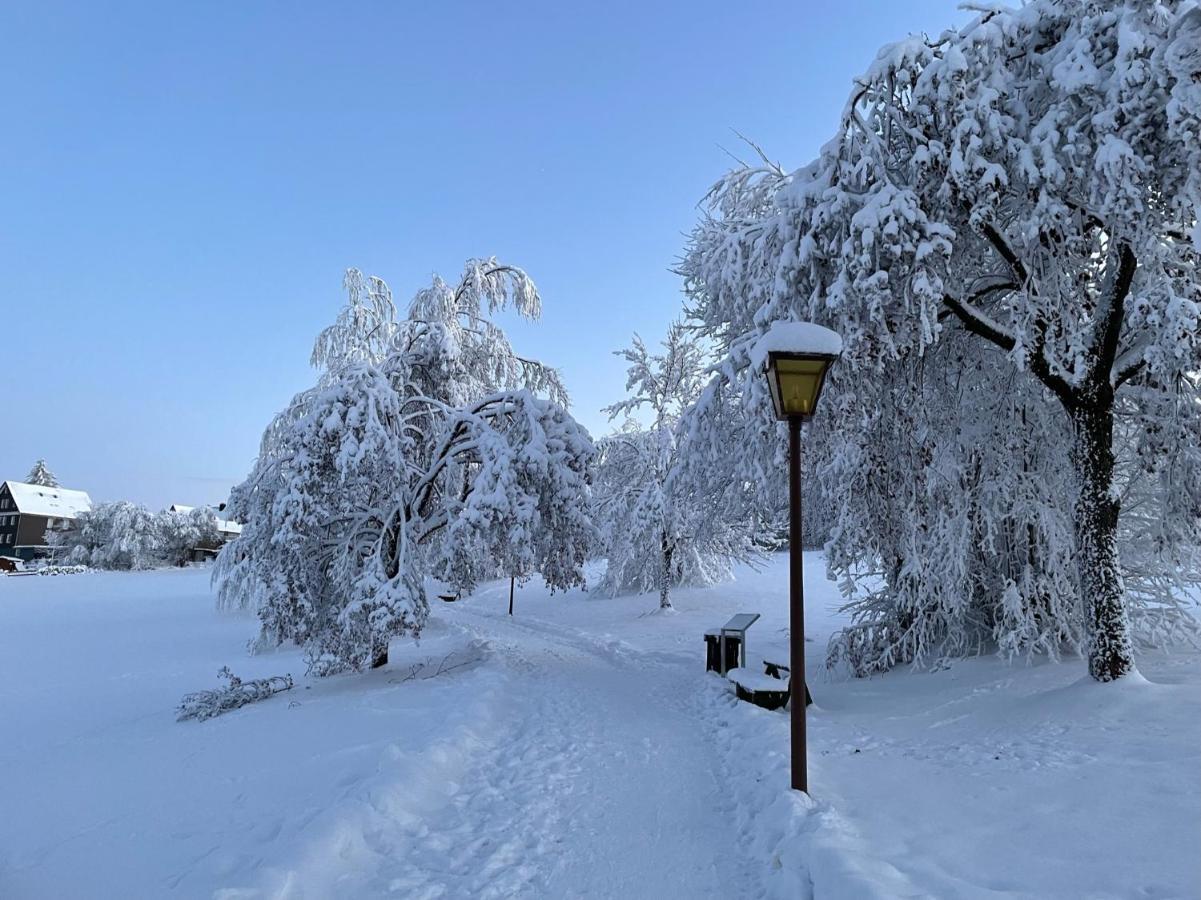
[(225, 526), (795, 337), (52, 502)]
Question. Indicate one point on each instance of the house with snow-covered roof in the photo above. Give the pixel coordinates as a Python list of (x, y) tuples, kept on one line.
[(228, 529), (28, 510)]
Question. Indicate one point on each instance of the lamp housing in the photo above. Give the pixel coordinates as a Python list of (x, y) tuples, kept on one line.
[(795, 381)]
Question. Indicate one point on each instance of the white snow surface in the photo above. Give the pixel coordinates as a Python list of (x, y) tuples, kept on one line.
[(795, 337), (54, 502), (577, 749)]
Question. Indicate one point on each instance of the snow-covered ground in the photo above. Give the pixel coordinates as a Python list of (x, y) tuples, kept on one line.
[(576, 750)]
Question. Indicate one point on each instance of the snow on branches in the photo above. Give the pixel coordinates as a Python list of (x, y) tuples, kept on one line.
[(424, 449), (1004, 230), (41, 474), (123, 535), (660, 529), (202, 705)]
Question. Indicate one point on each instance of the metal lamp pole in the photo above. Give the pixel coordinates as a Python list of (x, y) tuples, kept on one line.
[(796, 609), (798, 355)]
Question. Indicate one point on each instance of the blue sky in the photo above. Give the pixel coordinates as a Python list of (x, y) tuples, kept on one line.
[(183, 185)]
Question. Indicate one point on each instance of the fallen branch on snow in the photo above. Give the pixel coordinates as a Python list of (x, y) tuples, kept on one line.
[(473, 653), (206, 704)]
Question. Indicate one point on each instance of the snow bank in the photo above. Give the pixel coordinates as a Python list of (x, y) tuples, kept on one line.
[(809, 850)]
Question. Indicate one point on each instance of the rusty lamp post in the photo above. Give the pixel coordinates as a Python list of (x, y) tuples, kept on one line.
[(798, 355)]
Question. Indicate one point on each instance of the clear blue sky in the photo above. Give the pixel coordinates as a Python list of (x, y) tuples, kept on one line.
[(182, 186)]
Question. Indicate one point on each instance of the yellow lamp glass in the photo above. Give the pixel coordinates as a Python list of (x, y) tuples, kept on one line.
[(796, 381)]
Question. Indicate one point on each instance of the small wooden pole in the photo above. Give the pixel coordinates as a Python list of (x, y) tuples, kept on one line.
[(512, 579)]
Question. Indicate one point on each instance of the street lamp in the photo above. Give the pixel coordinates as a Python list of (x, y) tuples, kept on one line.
[(796, 357)]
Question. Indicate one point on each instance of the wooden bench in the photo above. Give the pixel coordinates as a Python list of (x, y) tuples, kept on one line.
[(774, 669)]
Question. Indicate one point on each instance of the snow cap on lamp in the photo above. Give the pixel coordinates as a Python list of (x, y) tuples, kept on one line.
[(796, 357)]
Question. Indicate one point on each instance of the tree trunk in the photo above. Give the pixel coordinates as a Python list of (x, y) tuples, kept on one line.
[(1110, 651), (665, 574), (379, 655)]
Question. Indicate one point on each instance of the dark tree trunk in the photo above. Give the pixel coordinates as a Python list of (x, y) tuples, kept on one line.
[(1089, 403), (379, 656), (1110, 652), (665, 573)]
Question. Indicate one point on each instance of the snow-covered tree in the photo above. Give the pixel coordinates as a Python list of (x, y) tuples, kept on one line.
[(179, 533), (41, 474), (660, 530), (1004, 230), (118, 535), (424, 449)]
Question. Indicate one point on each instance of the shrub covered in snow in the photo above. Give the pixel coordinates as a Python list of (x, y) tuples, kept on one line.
[(61, 570)]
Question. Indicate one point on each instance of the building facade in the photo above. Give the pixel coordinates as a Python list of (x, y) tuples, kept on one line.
[(28, 510)]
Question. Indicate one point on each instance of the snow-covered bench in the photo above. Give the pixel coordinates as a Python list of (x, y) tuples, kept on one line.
[(760, 689), (783, 671)]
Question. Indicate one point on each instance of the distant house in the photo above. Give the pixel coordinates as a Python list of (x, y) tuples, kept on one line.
[(226, 528), (27, 510)]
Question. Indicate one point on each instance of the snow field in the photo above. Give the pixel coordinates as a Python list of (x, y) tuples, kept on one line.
[(578, 749)]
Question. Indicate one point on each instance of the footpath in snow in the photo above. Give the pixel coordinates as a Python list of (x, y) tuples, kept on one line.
[(575, 750), (597, 784)]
